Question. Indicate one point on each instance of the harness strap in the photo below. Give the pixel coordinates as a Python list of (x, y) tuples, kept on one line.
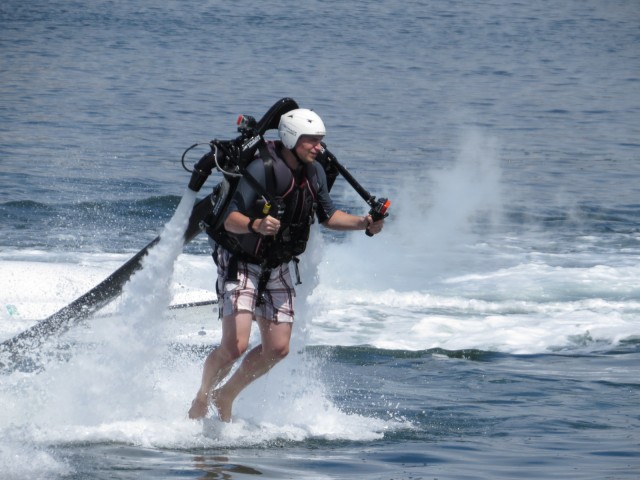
[(265, 275), (269, 171), (296, 261), (263, 279), (267, 192)]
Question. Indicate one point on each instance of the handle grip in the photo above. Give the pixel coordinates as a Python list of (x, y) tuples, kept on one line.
[(378, 211)]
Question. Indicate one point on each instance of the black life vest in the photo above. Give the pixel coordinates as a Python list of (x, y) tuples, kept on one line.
[(300, 203), (296, 198)]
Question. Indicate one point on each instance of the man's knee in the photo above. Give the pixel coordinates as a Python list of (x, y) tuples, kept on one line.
[(234, 350), (278, 352), (236, 330)]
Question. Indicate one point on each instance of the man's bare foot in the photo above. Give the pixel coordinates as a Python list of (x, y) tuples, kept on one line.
[(223, 405), (199, 408)]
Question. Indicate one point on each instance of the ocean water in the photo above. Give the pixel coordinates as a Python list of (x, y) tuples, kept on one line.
[(491, 331)]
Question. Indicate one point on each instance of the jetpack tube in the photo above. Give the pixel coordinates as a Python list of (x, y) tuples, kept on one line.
[(14, 352), (379, 207)]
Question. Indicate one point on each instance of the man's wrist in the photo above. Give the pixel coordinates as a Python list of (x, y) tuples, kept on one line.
[(250, 225)]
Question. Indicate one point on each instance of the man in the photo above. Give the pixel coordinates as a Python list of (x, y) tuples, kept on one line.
[(254, 281)]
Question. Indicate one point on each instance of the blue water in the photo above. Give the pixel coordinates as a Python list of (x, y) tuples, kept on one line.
[(491, 331)]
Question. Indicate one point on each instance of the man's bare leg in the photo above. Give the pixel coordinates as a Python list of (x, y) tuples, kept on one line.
[(235, 339), (274, 347)]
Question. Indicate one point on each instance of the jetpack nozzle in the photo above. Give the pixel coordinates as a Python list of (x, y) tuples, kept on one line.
[(201, 170)]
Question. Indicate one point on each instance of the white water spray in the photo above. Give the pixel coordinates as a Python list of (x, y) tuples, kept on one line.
[(107, 379), (436, 231), (430, 228), (292, 401), (124, 383), (132, 343)]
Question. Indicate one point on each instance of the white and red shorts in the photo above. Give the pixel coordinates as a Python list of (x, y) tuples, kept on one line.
[(241, 294)]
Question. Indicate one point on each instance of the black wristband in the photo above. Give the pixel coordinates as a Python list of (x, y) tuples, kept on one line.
[(251, 220)]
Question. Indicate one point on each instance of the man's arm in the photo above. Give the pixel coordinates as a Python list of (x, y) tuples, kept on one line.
[(345, 221), (238, 223)]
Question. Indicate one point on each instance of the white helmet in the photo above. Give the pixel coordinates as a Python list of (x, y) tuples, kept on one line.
[(300, 121)]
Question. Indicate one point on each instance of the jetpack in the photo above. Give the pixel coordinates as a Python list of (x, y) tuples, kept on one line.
[(18, 352), (230, 157)]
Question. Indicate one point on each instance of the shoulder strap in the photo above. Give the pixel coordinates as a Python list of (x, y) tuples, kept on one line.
[(270, 180), (267, 193), (269, 171)]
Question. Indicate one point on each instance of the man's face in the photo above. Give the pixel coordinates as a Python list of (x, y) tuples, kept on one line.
[(308, 147)]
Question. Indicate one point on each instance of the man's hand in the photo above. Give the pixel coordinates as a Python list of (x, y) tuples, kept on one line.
[(374, 227), (267, 226)]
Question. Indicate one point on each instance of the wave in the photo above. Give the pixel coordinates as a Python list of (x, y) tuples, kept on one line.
[(110, 225), (156, 205), (125, 217), (369, 355), (577, 219)]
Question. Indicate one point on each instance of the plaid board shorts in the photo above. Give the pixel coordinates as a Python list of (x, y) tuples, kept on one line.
[(241, 295)]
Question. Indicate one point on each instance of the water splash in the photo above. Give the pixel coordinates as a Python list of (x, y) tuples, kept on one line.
[(433, 222), (133, 341), (293, 401), (106, 378), (125, 383)]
